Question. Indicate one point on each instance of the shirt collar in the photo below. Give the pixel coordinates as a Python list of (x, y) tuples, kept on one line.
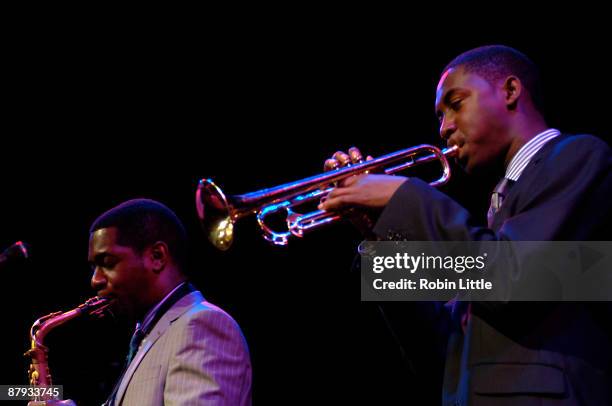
[(151, 313), (527, 151)]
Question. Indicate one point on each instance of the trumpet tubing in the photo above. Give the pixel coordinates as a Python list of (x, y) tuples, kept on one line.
[(219, 212)]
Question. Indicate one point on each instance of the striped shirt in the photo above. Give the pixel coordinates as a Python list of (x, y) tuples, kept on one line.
[(527, 151)]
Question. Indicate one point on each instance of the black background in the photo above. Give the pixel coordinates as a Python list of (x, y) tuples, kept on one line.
[(92, 120)]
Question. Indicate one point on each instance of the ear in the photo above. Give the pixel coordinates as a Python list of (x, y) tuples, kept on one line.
[(158, 255), (513, 88)]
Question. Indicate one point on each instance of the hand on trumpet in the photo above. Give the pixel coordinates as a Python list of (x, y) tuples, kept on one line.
[(365, 191), (356, 193)]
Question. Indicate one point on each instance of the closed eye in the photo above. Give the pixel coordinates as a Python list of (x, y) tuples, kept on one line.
[(455, 105), (104, 261)]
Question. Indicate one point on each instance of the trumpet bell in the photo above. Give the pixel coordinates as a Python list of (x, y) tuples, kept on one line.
[(215, 213)]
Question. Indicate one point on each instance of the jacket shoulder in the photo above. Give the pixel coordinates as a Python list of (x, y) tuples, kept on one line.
[(574, 143)]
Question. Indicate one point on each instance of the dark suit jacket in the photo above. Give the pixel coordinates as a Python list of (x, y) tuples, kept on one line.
[(525, 353)]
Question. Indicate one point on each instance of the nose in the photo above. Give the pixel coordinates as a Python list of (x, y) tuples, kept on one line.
[(447, 128), (98, 281)]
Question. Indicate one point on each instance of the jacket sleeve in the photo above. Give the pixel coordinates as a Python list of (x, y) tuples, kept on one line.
[(211, 363), (546, 209)]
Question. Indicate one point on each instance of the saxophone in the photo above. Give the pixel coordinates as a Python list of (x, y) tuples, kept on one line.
[(38, 372)]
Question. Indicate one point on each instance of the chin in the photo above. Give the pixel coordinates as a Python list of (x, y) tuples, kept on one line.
[(465, 165), (474, 164), (121, 309)]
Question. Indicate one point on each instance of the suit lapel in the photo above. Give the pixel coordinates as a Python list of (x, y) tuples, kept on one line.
[(523, 183), (160, 328)]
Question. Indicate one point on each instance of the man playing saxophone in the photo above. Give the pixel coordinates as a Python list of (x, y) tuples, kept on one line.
[(184, 350)]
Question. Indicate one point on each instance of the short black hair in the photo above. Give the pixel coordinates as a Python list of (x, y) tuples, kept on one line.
[(143, 222), (496, 62)]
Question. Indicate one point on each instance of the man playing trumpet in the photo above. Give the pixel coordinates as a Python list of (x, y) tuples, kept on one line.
[(553, 186)]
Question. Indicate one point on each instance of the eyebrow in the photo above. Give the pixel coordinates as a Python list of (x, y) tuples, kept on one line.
[(99, 258), (446, 99), (449, 95)]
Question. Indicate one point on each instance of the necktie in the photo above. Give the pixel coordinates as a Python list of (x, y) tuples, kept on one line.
[(461, 311), (497, 198), (135, 342)]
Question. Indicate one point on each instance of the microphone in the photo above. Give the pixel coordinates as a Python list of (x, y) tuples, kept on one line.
[(14, 253)]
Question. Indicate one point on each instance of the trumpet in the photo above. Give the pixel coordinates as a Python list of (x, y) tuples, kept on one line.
[(219, 212)]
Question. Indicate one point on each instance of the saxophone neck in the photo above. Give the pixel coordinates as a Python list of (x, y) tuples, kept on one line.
[(39, 374), (96, 306)]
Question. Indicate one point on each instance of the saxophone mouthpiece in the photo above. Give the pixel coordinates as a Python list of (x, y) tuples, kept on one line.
[(98, 307)]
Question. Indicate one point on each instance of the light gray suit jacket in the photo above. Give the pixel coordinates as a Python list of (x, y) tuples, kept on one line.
[(195, 355)]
